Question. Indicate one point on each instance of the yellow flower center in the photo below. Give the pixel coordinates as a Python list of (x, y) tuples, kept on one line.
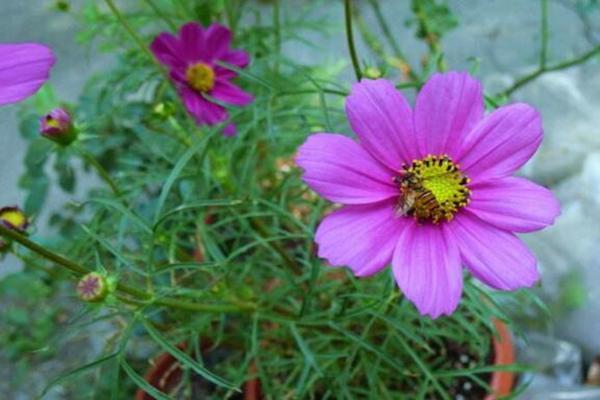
[(14, 218), (200, 76), (52, 122), (432, 189)]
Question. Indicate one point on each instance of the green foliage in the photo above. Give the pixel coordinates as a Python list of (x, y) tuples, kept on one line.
[(216, 233), (26, 322), (433, 19)]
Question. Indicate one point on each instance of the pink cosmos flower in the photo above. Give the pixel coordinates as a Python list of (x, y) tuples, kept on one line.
[(430, 189), (24, 68), (193, 59)]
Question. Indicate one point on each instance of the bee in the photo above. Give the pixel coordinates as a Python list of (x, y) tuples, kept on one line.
[(416, 200)]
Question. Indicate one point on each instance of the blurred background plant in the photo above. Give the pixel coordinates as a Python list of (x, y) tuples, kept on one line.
[(211, 237)]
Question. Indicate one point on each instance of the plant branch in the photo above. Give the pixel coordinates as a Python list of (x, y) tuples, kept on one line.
[(350, 38), (544, 30), (398, 53), (100, 169), (277, 29), (161, 15), (139, 295), (520, 82), (138, 40), (262, 231), (430, 37)]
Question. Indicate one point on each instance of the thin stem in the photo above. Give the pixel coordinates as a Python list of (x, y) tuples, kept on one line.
[(544, 30), (214, 308), (277, 28), (312, 91), (431, 38), (398, 53), (137, 39), (47, 254), (350, 38), (260, 227), (161, 15), (139, 295), (140, 42), (89, 158), (520, 82)]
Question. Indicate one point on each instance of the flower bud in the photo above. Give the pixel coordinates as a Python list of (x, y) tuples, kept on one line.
[(372, 73), (92, 288), (14, 218), (58, 127)]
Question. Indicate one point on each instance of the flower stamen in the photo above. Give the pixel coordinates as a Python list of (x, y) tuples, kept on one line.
[(432, 189), (201, 77)]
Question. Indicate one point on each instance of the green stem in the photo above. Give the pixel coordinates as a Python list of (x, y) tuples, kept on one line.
[(161, 15), (350, 38), (139, 295), (311, 91), (520, 82), (544, 30), (137, 39), (398, 53), (277, 28), (432, 39), (213, 308), (260, 227), (90, 159), (47, 254)]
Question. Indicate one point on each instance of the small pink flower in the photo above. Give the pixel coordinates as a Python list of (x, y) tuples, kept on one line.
[(24, 67), (430, 189), (193, 58)]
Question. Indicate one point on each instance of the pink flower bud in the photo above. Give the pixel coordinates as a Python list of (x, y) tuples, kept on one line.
[(14, 218), (58, 127)]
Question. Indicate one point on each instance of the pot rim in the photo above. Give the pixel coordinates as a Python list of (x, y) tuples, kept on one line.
[(504, 354)]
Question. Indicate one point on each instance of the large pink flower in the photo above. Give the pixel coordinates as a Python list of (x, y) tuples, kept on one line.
[(193, 59), (430, 189), (24, 67)]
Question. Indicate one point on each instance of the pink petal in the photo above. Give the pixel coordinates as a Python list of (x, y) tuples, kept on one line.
[(494, 256), (203, 111), (361, 237), (428, 270), (502, 142), (239, 58), (178, 75), (514, 204), (218, 40), (340, 170), (224, 73), (447, 108), (227, 92), (193, 42), (167, 50), (24, 68), (382, 119)]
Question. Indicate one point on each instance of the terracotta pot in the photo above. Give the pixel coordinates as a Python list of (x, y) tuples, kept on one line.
[(166, 373), (502, 382)]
